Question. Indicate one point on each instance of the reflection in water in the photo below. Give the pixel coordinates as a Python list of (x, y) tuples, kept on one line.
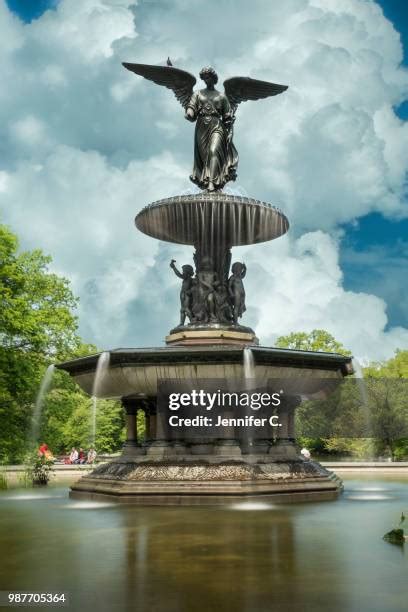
[(89, 505), (316, 556), (32, 496), (251, 506), (368, 497), (209, 559)]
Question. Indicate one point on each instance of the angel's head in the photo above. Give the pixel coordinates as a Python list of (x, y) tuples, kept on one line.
[(208, 75)]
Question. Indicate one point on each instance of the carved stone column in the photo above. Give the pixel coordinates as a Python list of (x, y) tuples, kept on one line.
[(285, 446), (131, 446), (158, 446)]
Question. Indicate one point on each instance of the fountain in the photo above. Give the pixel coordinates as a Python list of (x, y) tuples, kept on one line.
[(209, 348)]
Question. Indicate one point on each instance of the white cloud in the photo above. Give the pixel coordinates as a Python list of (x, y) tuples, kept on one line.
[(88, 28), (302, 291), (85, 145)]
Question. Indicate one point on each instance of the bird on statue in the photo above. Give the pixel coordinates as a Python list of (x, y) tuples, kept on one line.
[(169, 62)]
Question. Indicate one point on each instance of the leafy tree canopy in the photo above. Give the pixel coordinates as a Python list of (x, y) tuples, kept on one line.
[(316, 340), (36, 305)]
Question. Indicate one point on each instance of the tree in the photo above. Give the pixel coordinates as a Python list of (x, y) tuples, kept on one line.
[(67, 422), (314, 419), (37, 306), (316, 340), (388, 385), (396, 367), (37, 326)]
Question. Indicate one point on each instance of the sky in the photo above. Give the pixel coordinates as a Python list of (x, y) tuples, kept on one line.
[(84, 145)]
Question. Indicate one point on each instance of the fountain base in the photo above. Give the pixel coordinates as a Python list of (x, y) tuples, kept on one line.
[(198, 470), (207, 481)]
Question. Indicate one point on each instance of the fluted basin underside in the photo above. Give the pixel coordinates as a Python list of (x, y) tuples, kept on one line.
[(137, 371), (218, 217)]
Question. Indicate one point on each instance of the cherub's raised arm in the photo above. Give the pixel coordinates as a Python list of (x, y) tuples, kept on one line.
[(173, 267)]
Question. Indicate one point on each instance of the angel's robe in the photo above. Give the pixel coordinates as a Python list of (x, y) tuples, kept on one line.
[(215, 156)]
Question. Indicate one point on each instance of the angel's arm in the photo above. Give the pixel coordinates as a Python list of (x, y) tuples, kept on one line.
[(227, 112), (192, 108)]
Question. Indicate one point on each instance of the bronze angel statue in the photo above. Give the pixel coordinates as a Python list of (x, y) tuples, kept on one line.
[(215, 156)]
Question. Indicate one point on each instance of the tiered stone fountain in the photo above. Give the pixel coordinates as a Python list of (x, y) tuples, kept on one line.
[(208, 344)]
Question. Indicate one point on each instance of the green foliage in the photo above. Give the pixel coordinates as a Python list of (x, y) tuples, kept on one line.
[(361, 419), (37, 327), (39, 469), (396, 367), (317, 340), (67, 416), (36, 314), (3, 480), (110, 423)]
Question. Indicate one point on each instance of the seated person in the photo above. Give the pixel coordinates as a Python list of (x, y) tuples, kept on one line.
[(73, 457), (91, 455)]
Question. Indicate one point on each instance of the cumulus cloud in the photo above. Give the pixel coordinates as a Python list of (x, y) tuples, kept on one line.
[(84, 145), (303, 290)]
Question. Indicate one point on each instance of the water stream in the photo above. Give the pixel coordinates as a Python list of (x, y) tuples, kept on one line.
[(39, 402), (102, 367), (249, 377), (362, 387)]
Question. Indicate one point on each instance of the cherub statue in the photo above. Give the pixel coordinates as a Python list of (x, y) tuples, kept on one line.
[(215, 156), (223, 305), (186, 289), (207, 285), (236, 289)]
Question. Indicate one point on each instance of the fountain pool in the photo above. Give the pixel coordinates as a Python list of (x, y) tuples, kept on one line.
[(240, 557)]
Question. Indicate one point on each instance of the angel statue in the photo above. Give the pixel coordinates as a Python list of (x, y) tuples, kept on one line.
[(215, 156)]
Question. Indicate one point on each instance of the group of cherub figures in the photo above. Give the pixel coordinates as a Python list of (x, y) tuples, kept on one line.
[(206, 299)]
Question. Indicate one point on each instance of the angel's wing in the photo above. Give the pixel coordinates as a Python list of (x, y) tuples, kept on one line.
[(240, 89), (180, 81)]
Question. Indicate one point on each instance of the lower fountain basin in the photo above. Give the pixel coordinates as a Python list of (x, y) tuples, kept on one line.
[(137, 371)]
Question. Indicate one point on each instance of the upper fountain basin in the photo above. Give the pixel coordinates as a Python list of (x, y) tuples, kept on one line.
[(137, 371), (217, 217)]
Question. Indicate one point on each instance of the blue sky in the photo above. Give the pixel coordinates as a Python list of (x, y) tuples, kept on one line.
[(337, 157)]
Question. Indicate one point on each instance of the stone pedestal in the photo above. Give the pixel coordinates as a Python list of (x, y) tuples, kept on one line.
[(211, 335)]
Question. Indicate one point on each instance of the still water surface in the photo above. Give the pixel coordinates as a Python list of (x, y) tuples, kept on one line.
[(326, 556)]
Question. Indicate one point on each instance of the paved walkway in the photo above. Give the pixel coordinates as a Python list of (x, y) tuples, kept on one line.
[(381, 467)]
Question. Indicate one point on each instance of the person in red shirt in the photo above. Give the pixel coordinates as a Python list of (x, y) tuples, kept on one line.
[(43, 450)]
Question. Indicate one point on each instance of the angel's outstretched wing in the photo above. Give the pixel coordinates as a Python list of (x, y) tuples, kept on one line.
[(180, 81), (240, 89)]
